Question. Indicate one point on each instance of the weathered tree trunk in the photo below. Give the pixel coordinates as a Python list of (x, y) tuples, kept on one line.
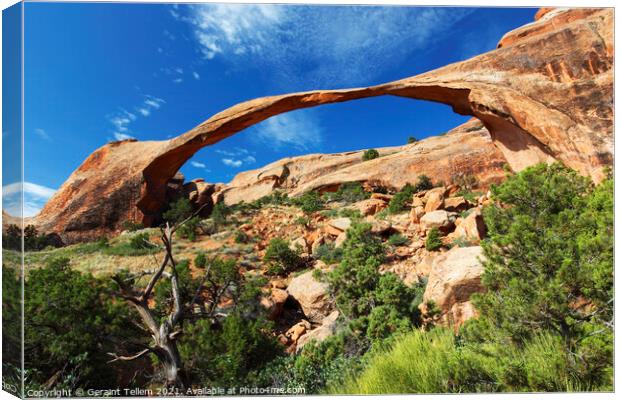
[(164, 333)]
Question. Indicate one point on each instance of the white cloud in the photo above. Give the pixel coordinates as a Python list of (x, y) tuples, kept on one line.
[(198, 164), (123, 118), (298, 129), (42, 134), (153, 102), (177, 80), (237, 151), (332, 45), (35, 197), (196, 75), (122, 136), (249, 160), (232, 163)]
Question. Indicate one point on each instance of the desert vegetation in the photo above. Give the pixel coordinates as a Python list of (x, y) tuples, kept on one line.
[(331, 292)]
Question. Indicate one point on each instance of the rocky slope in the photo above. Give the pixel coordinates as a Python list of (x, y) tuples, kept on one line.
[(465, 150), (545, 94)]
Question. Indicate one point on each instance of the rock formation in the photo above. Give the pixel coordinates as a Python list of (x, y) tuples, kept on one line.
[(466, 149), (545, 94), (454, 277)]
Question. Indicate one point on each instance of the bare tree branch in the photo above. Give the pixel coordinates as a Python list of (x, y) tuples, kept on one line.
[(128, 358)]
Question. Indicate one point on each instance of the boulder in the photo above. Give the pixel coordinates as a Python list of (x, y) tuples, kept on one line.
[(299, 244), (311, 295), (440, 219), (416, 214), (327, 329), (380, 226), (454, 277), (298, 330), (370, 206), (417, 202), (434, 199), (276, 303), (381, 196), (340, 239), (424, 267), (456, 204), (471, 228), (318, 242), (342, 224)]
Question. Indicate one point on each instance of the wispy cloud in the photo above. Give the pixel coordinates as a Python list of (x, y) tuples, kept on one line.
[(123, 118), (122, 136), (321, 42), (35, 197), (42, 134), (175, 73), (298, 129), (196, 75), (236, 157), (198, 164), (232, 163)]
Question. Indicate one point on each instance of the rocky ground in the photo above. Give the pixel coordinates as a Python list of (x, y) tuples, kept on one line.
[(298, 302)]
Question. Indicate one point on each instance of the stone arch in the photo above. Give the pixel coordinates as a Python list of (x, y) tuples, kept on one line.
[(545, 94)]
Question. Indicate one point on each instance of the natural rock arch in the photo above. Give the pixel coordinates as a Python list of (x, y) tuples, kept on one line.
[(545, 94)]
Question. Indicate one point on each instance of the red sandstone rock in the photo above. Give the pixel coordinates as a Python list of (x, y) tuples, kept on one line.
[(454, 277), (545, 94)]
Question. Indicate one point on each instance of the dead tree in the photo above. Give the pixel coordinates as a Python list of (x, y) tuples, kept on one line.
[(165, 333)]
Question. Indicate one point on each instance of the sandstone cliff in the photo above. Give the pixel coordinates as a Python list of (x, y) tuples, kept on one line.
[(467, 149), (545, 94)]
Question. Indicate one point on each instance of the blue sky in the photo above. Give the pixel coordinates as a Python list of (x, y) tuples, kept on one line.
[(100, 72)]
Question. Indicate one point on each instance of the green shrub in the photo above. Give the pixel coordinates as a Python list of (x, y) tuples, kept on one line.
[(241, 237), (418, 363), (200, 261), (401, 200), (303, 221), (370, 154), (438, 362), (349, 192), (358, 286), (224, 351), (551, 242), (178, 211), (280, 259), (132, 226), (278, 197), (398, 240), (33, 241), (329, 253), (220, 214), (138, 245), (189, 229), (350, 213), (462, 241), (140, 241), (330, 213), (310, 202), (411, 140), (433, 240), (70, 320), (469, 195), (424, 183)]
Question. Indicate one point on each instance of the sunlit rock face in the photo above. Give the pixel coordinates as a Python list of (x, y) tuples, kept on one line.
[(545, 94)]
